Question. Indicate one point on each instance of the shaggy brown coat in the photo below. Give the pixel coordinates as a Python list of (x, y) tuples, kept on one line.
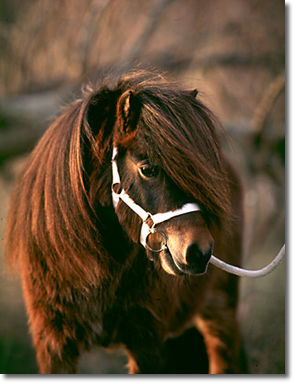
[(84, 281)]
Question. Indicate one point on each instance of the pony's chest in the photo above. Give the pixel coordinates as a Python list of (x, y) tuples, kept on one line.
[(121, 324)]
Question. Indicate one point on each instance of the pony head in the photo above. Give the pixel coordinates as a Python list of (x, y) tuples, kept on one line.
[(168, 156)]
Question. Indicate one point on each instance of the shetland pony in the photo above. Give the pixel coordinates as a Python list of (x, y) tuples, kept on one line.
[(86, 278)]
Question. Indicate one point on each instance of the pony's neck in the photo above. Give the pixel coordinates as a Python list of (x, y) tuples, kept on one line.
[(116, 242)]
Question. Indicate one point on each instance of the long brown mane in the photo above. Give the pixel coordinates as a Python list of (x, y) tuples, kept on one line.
[(53, 221)]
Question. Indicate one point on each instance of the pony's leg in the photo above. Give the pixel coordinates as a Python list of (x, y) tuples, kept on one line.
[(55, 355), (222, 340), (144, 362), (57, 350), (145, 353), (141, 334), (53, 332), (186, 353)]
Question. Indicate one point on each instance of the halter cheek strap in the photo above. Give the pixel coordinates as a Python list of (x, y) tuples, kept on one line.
[(149, 221)]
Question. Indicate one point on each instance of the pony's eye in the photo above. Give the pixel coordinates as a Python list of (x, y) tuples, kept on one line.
[(148, 171)]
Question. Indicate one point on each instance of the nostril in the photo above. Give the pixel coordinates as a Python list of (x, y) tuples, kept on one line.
[(195, 255)]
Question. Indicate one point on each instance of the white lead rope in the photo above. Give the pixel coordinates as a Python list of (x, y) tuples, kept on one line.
[(248, 273), (186, 208)]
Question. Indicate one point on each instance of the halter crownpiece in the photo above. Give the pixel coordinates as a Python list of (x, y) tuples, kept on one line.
[(149, 221)]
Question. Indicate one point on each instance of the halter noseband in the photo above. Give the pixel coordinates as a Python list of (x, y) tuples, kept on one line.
[(149, 221)]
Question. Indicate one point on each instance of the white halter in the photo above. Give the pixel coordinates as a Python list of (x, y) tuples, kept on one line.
[(149, 221)]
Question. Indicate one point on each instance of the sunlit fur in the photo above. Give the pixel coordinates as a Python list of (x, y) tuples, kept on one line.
[(86, 279)]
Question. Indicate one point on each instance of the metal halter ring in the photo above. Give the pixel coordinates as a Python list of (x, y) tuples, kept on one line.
[(164, 246)]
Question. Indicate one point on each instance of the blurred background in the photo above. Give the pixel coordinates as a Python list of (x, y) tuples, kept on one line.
[(232, 51)]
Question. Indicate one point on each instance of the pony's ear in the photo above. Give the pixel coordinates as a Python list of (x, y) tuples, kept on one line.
[(100, 111), (193, 93), (128, 111), (98, 121)]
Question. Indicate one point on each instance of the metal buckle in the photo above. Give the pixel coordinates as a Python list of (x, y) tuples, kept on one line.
[(163, 243)]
